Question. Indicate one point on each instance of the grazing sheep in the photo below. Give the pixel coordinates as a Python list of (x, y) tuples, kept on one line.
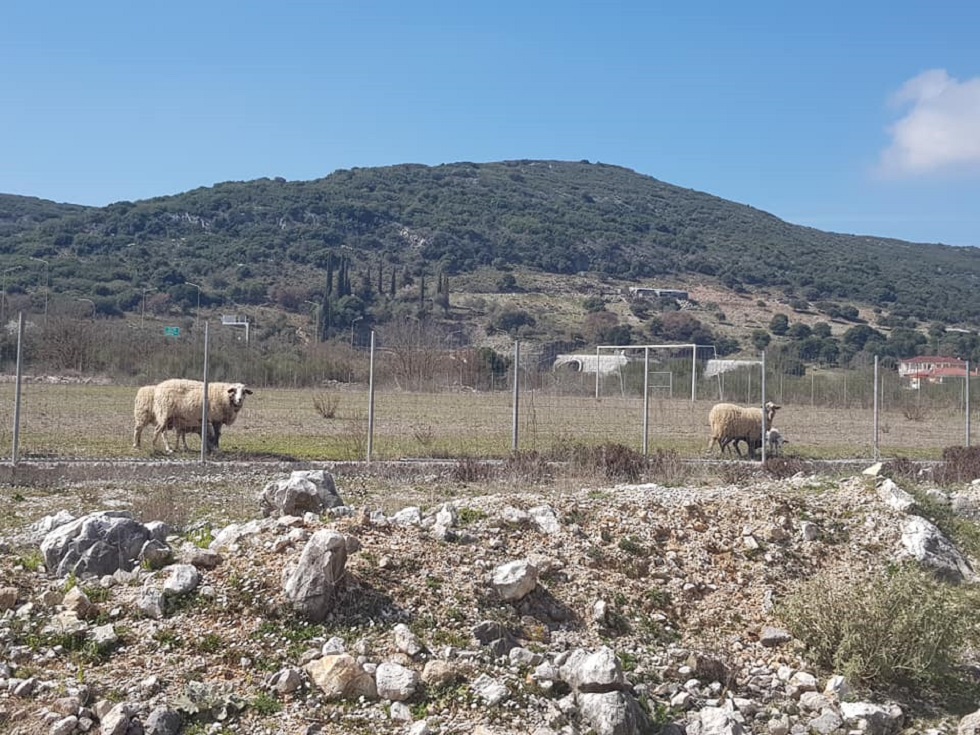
[(143, 416), (731, 424), (774, 442), (179, 402)]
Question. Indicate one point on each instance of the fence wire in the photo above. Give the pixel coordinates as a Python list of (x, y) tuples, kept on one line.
[(455, 402)]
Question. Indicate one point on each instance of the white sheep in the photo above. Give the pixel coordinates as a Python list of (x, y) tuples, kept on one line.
[(731, 424), (774, 442), (179, 403), (143, 416)]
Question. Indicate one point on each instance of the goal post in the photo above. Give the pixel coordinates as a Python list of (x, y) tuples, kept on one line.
[(618, 358), (612, 357)]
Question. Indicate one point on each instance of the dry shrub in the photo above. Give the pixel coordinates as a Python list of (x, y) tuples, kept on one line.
[(666, 467), (782, 467), (914, 412), (735, 473), (611, 461), (468, 469), (165, 504), (960, 464), (527, 466), (354, 438), (901, 468), (904, 628), (326, 404), (424, 435)]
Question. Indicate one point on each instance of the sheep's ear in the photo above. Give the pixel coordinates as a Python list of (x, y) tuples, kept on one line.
[(248, 392)]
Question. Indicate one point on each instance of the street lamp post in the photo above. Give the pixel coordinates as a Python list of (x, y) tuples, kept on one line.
[(316, 314), (47, 284), (143, 307), (197, 314), (355, 321), (89, 301), (3, 296)]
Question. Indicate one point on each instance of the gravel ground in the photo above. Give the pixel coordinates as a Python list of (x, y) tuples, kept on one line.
[(664, 575)]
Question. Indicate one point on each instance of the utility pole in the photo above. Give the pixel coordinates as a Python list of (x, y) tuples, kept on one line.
[(197, 314), (47, 284)]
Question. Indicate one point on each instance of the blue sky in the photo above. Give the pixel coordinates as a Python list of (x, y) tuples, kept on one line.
[(857, 117)]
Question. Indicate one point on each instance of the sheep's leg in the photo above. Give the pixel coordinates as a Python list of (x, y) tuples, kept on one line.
[(161, 430), (137, 433)]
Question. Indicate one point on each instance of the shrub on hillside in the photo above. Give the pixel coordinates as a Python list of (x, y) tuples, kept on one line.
[(902, 628)]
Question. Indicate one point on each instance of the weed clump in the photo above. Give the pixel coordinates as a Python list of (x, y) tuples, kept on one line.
[(960, 464), (611, 461), (902, 628), (782, 467), (468, 469)]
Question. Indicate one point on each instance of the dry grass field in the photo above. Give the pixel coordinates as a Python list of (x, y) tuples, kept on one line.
[(87, 421)]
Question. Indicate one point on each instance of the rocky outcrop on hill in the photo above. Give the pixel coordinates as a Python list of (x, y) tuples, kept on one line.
[(616, 611)]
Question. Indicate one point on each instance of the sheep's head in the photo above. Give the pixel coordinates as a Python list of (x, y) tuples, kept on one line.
[(236, 395), (771, 409)]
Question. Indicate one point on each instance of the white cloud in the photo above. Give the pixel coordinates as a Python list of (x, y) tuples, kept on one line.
[(940, 130)]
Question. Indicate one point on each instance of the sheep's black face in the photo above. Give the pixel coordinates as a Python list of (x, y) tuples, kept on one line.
[(237, 395)]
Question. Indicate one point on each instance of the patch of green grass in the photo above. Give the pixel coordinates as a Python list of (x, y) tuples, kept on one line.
[(32, 560), (469, 516), (201, 537), (631, 546), (168, 639), (210, 643), (96, 593), (265, 704)]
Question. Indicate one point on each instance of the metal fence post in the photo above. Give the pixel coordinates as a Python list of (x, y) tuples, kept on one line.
[(646, 401), (515, 440), (370, 436), (967, 401), (20, 353), (205, 410), (876, 449), (762, 388)]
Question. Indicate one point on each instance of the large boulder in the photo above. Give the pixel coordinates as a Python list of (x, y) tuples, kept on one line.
[(311, 587), (97, 544), (303, 491), (925, 543)]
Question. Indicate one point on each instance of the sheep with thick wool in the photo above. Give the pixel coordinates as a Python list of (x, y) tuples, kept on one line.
[(731, 423), (179, 402), (143, 416)]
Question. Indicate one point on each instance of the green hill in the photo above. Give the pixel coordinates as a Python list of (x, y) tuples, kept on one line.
[(285, 242)]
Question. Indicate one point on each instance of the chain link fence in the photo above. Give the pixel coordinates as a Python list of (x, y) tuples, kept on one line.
[(384, 399)]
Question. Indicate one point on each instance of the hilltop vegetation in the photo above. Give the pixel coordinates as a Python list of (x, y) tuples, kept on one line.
[(373, 246)]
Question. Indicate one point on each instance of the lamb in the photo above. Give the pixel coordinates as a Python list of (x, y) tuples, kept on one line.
[(143, 416), (774, 442), (179, 402), (731, 424)]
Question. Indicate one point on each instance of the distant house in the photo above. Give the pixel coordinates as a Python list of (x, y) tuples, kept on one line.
[(585, 363), (932, 369), (644, 292)]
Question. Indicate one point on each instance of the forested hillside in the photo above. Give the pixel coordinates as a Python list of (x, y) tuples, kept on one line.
[(371, 232)]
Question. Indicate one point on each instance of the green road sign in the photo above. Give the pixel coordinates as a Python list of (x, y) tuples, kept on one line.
[(171, 331)]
